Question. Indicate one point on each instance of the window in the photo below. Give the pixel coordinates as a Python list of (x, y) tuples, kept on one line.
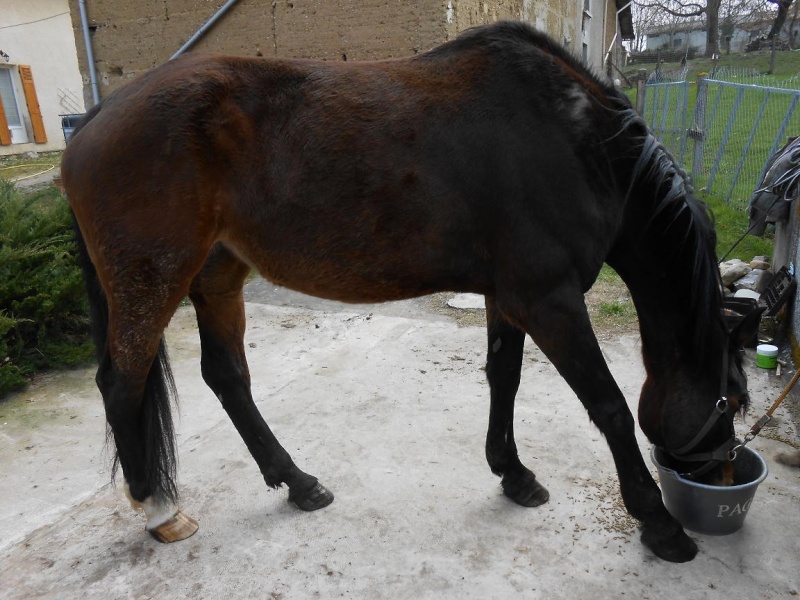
[(11, 107), (586, 23), (21, 115)]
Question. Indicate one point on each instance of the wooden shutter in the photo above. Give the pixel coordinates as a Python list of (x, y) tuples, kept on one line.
[(39, 135), (5, 134)]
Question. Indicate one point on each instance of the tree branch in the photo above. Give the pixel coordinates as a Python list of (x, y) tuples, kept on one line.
[(780, 18), (685, 10)]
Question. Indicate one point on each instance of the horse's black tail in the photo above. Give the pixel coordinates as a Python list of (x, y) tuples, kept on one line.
[(158, 433)]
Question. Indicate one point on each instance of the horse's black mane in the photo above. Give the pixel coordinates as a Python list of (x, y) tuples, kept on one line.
[(682, 228)]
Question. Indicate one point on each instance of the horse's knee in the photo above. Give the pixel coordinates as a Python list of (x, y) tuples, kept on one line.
[(223, 365), (213, 376), (613, 419), (503, 379), (223, 374)]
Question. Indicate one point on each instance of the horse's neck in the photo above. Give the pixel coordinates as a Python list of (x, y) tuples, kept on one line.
[(665, 323), (662, 288)]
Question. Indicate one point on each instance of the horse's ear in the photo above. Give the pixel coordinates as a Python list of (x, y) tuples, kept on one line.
[(743, 334)]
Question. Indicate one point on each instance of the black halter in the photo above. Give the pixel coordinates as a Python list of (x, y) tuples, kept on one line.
[(726, 451)]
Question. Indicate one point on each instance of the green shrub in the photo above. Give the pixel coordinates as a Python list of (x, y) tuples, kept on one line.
[(43, 312)]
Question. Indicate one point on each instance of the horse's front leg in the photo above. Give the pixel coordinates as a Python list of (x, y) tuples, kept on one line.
[(561, 328), (503, 367), (217, 297)]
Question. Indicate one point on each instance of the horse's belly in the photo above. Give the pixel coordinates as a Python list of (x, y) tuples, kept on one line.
[(385, 269)]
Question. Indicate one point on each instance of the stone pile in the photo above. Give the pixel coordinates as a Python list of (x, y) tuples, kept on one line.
[(746, 279)]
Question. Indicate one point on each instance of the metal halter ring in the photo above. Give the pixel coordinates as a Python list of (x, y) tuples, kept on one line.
[(734, 452)]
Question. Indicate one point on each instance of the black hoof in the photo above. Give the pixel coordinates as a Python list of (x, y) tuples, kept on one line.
[(313, 498), (524, 489), (673, 546)]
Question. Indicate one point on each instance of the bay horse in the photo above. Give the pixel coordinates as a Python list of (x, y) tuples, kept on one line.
[(495, 163)]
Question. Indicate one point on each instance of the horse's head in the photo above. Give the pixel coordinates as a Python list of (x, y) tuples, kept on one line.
[(688, 413)]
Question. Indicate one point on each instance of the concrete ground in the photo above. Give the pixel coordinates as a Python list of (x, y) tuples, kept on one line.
[(388, 406)]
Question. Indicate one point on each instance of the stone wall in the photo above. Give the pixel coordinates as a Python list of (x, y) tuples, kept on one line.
[(131, 37)]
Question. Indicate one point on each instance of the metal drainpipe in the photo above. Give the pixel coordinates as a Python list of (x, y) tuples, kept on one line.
[(89, 53), (206, 26)]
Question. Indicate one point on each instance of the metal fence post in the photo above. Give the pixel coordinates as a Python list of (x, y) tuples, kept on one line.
[(698, 132), (641, 80)]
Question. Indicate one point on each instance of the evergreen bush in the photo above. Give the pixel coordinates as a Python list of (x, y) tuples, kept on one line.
[(43, 312)]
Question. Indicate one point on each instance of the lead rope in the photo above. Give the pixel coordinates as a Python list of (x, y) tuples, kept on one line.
[(767, 417)]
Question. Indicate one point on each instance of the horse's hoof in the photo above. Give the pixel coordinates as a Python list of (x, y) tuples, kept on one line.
[(525, 490), (179, 527), (676, 547), (312, 499)]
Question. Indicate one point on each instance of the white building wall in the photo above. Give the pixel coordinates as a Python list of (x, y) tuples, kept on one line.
[(39, 33), (696, 39)]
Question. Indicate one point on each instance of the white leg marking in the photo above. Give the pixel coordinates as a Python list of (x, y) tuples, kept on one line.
[(157, 514)]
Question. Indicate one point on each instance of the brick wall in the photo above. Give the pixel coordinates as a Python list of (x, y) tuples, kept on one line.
[(131, 37)]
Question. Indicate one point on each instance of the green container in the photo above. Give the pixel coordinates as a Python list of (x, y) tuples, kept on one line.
[(767, 356)]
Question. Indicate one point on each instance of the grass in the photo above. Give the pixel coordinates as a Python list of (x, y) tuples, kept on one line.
[(731, 224), (40, 158), (610, 306), (787, 64), (18, 166), (741, 129), (10, 164), (738, 119)]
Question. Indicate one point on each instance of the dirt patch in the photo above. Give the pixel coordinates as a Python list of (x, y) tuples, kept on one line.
[(611, 309), (609, 303)]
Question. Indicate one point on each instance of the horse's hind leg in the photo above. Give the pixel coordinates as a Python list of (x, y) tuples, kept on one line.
[(217, 297), (503, 367), (136, 384)]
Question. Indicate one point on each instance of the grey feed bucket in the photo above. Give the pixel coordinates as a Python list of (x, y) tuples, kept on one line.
[(711, 509)]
